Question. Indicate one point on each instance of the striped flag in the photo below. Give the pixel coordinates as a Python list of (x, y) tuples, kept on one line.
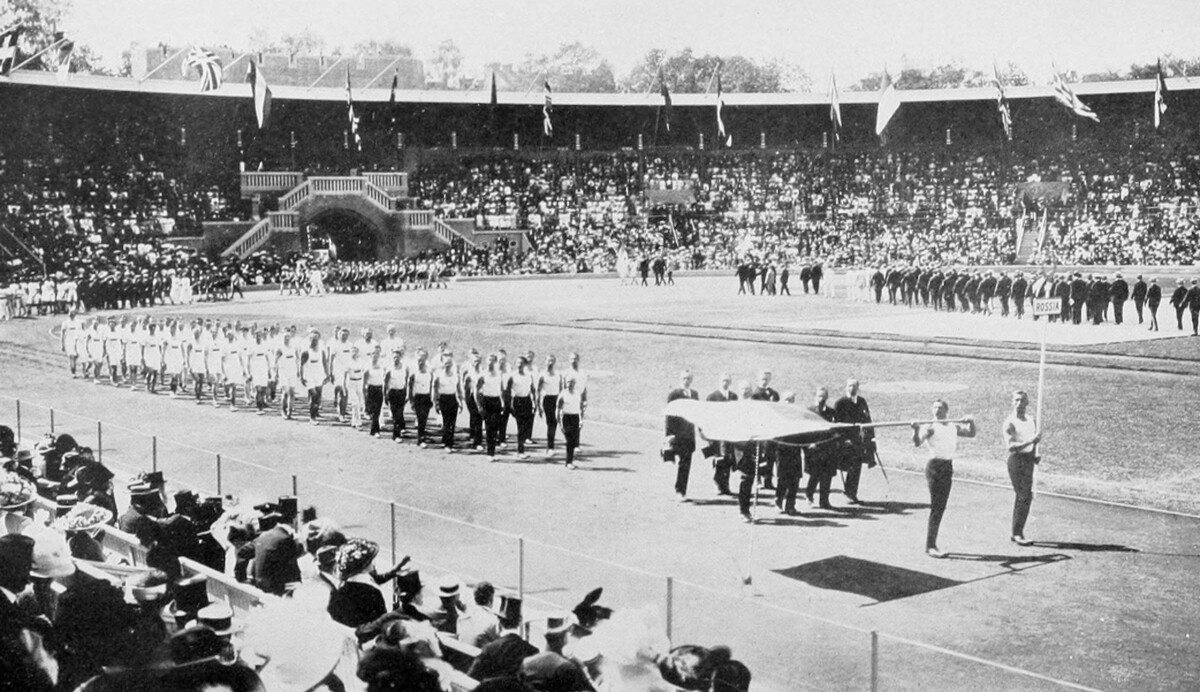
[(8, 49), (350, 114), (835, 107), (261, 93), (1064, 95), (547, 109), (727, 139), (1002, 104), (666, 95), (1160, 94), (889, 103), (211, 72), (66, 48)]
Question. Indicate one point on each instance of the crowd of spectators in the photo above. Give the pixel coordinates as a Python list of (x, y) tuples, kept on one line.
[(81, 612), (945, 206)]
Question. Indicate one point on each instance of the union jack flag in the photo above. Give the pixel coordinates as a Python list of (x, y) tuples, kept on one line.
[(547, 109), (211, 71), (8, 49), (1064, 95)]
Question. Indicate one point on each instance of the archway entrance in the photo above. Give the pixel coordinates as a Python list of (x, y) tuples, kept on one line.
[(348, 236)]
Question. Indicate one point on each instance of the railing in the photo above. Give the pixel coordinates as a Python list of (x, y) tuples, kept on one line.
[(293, 199), (379, 197), (390, 181), (270, 181), (417, 218), (251, 240), (284, 221), (448, 233), (803, 651), (337, 185)]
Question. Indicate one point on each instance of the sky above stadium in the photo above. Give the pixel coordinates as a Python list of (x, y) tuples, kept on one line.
[(856, 38)]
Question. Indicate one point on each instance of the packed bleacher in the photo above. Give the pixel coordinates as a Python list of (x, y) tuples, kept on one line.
[(137, 587)]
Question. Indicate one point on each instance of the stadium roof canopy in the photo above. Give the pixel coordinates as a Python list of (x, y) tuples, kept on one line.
[(239, 89)]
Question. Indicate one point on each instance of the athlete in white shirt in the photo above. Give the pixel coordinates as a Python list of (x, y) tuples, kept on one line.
[(941, 442)]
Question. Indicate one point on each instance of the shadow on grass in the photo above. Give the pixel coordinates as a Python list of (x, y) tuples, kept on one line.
[(1009, 562), (874, 580), (888, 507), (1085, 547)]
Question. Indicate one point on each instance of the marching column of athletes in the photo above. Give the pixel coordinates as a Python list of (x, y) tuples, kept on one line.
[(779, 466), (1085, 298), (373, 381)]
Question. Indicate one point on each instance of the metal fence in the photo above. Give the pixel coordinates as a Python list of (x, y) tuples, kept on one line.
[(786, 649)]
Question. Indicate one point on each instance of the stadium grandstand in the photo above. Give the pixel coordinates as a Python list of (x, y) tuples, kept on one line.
[(299, 173)]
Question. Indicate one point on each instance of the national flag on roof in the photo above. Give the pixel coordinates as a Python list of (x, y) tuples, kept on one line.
[(1002, 104), (720, 107), (666, 96), (392, 101), (547, 109), (835, 107), (206, 61), (494, 99), (261, 93), (8, 49), (62, 61), (1160, 94), (889, 103), (1064, 95), (351, 116)]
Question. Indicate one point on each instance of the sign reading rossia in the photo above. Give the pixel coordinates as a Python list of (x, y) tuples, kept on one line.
[(1047, 306)]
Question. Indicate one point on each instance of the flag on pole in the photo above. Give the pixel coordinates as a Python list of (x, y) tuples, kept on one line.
[(261, 93), (889, 103), (392, 101), (350, 115), (494, 100), (835, 107), (206, 61), (66, 48), (720, 107), (1160, 94), (547, 108), (1002, 104), (1064, 95), (8, 49), (666, 95)]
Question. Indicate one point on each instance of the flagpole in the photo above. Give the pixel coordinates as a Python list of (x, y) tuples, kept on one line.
[(535, 81), (40, 53), (225, 68), (335, 64), (161, 65), (382, 72)]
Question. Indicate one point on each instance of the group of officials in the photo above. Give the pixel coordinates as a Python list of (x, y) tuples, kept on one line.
[(766, 273), (232, 362), (778, 465), (1083, 298)]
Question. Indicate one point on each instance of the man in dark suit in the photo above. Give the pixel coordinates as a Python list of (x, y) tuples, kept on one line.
[(720, 453), (1098, 299), (1192, 300), (949, 282), (1003, 290), (1079, 295), (987, 291), (681, 435), (502, 657), (1118, 293), (1062, 290), (1178, 299), (1017, 294), (962, 292), (894, 277), (805, 276), (878, 280), (1139, 296), (817, 274), (275, 553), (25, 664), (764, 392), (935, 289), (852, 409), (821, 459), (1153, 299)]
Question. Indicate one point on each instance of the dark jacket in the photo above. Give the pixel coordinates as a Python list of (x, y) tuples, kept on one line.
[(275, 555), (683, 431)]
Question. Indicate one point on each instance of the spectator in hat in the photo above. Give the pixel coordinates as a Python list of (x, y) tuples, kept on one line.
[(357, 601), (145, 506), (503, 657), (25, 664), (83, 528), (444, 616), (1153, 300), (16, 502), (276, 553), (552, 672), (387, 669)]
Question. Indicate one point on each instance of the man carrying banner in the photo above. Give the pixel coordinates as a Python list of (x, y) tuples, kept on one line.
[(941, 441), (1021, 436)]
